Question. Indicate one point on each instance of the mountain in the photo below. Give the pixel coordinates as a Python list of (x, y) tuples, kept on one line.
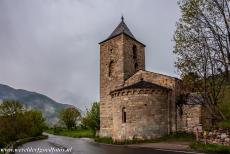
[(33, 100)]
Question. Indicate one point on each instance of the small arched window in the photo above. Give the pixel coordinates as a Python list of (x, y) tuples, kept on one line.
[(123, 115), (134, 52), (136, 66), (111, 68)]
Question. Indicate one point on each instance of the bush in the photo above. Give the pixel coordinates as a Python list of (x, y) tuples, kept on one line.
[(57, 130), (224, 124), (2, 144), (225, 103), (17, 123), (92, 118), (69, 117), (76, 133)]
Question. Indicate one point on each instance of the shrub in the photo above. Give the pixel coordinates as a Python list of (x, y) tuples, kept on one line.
[(224, 124), (92, 118), (70, 116), (17, 123)]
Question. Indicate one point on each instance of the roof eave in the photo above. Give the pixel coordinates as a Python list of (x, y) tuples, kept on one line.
[(128, 87), (121, 34)]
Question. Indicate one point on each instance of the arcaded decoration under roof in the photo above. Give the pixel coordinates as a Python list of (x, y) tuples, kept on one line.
[(143, 84)]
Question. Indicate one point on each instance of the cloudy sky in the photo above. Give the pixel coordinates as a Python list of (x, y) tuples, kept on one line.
[(51, 46)]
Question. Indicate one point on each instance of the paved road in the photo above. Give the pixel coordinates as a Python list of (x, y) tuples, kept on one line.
[(86, 146)]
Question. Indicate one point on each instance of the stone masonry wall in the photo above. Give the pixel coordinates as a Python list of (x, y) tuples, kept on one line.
[(131, 59), (189, 118), (207, 117), (116, 64), (147, 114), (165, 81), (109, 51)]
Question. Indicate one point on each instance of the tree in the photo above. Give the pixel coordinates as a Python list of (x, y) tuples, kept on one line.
[(31, 123), (190, 82), (17, 122), (202, 42), (9, 111), (10, 107), (205, 24), (70, 116), (92, 117)]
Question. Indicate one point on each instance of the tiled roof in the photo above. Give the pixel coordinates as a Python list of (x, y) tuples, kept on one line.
[(122, 28)]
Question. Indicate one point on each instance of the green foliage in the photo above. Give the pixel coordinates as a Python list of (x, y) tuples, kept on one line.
[(181, 136), (225, 104), (57, 130), (224, 124), (70, 116), (202, 49), (210, 147), (17, 123), (92, 117), (10, 107), (76, 133), (191, 81), (36, 123)]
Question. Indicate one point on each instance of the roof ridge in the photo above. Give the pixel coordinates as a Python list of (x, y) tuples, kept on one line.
[(166, 75), (122, 28), (142, 84)]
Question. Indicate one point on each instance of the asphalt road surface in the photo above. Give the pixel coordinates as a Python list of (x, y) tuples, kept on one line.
[(67, 145)]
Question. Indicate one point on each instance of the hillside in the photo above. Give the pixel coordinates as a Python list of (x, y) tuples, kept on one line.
[(49, 107)]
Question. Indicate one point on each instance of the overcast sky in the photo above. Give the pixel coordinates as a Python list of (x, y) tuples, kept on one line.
[(51, 46)]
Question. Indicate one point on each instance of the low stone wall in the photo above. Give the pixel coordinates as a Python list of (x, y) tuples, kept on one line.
[(219, 136)]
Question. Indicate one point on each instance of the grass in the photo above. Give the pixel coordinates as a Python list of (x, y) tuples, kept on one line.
[(210, 147), (76, 133), (179, 136)]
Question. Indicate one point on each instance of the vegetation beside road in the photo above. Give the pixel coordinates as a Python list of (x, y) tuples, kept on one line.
[(17, 123), (210, 147), (92, 118), (224, 124), (69, 117), (225, 104), (89, 124), (76, 133)]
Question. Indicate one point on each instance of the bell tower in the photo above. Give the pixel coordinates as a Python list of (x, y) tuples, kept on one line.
[(121, 56)]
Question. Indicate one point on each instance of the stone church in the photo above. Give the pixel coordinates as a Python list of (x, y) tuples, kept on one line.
[(134, 102)]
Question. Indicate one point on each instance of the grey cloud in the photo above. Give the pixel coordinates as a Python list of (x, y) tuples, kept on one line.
[(51, 46)]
